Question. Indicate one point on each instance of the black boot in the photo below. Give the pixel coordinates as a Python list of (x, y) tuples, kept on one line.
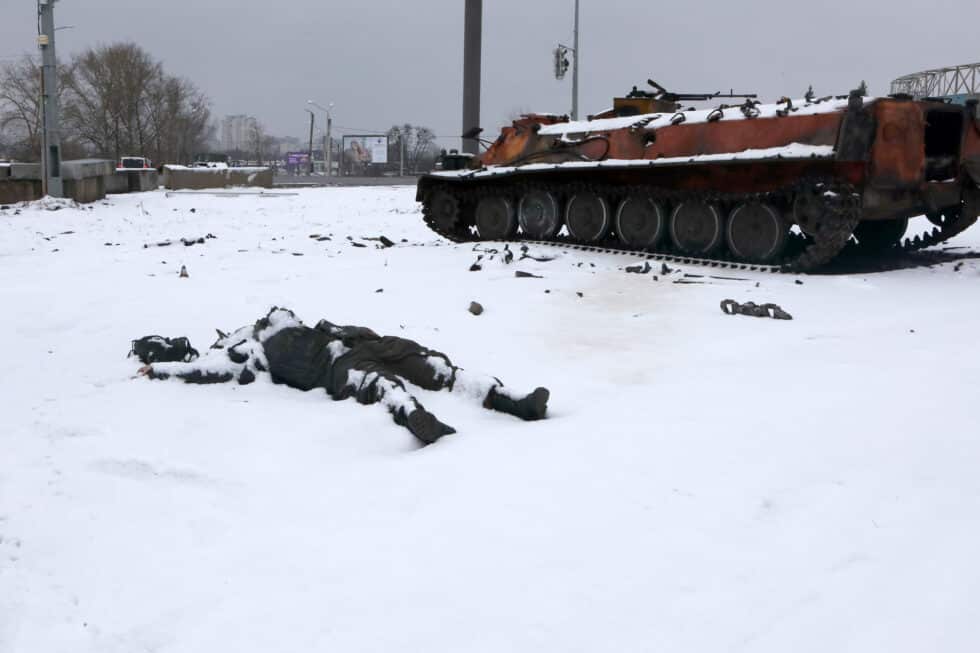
[(426, 427), (532, 407)]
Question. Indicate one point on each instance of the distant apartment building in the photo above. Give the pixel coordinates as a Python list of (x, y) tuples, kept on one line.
[(235, 132)]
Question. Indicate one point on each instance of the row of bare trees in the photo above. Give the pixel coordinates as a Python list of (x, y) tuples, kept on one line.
[(116, 100), (419, 147)]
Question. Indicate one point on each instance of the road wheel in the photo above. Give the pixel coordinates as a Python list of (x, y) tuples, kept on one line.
[(880, 235), (587, 217), (496, 218), (756, 232), (696, 227), (639, 221), (444, 209), (538, 215)]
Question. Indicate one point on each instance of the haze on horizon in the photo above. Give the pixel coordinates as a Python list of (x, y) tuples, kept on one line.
[(384, 62)]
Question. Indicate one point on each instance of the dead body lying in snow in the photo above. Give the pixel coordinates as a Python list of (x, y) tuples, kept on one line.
[(346, 361)]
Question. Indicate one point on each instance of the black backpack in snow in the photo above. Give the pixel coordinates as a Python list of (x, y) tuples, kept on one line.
[(157, 349)]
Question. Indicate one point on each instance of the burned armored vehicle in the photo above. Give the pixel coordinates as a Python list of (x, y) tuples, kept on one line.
[(787, 185)]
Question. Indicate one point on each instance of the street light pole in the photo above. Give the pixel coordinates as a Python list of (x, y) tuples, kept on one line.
[(329, 155), (575, 55), (51, 137), (311, 140)]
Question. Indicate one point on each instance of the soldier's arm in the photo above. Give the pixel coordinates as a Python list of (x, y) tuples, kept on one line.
[(216, 366)]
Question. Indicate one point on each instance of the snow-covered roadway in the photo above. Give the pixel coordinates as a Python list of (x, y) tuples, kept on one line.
[(705, 482)]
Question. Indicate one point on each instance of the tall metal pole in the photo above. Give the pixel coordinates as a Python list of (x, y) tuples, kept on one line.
[(575, 55), (311, 141), (472, 49), (329, 145), (51, 137)]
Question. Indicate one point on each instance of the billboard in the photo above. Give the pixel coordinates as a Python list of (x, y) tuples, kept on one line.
[(361, 151), (297, 158)]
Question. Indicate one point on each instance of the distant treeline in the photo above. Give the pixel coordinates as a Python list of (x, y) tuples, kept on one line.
[(116, 100)]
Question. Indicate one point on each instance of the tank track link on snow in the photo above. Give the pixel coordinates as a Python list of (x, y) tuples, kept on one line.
[(816, 252)]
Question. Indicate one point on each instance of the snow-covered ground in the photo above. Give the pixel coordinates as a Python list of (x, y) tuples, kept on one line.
[(704, 483)]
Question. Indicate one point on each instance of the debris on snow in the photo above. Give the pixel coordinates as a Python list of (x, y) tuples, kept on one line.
[(476, 308), (385, 242), (732, 307), (539, 259), (187, 242)]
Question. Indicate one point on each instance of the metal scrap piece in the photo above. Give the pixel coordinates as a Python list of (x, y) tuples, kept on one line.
[(774, 311)]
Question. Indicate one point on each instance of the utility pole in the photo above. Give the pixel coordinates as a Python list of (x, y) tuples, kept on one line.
[(311, 140), (328, 143), (472, 49), (51, 137), (575, 54), (401, 161)]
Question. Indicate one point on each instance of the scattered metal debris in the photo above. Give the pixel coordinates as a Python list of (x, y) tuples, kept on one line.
[(539, 259), (527, 275), (385, 242), (731, 307), (187, 242)]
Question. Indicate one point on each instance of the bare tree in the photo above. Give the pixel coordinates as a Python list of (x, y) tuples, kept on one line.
[(119, 102), (425, 140), (20, 106), (418, 143), (255, 140)]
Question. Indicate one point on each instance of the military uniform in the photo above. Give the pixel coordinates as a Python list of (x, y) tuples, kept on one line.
[(346, 361)]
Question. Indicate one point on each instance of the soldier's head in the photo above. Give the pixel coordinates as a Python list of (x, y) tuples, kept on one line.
[(276, 320)]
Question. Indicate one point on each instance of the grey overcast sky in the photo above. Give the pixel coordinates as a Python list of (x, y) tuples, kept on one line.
[(393, 61)]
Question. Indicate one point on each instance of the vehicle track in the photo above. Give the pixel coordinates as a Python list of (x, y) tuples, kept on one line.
[(831, 248)]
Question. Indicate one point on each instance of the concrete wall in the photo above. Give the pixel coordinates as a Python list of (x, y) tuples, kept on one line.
[(84, 180), (19, 190), (132, 181), (86, 169), (31, 171), (89, 189), (180, 177)]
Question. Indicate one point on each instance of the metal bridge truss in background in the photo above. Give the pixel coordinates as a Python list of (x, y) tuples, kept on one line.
[(956, 81)]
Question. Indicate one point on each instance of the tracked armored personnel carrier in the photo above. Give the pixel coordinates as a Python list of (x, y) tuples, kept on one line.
[(786, 185)]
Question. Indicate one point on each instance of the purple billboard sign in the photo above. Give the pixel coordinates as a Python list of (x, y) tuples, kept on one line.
[(297, 158)]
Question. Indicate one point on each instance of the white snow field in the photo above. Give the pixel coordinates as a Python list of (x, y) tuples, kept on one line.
[(705, 482)]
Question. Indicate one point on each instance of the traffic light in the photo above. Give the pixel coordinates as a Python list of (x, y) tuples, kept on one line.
[(561, 61)]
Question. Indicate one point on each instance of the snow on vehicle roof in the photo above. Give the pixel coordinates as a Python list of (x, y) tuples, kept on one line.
[(791, 151), (657, 120)]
